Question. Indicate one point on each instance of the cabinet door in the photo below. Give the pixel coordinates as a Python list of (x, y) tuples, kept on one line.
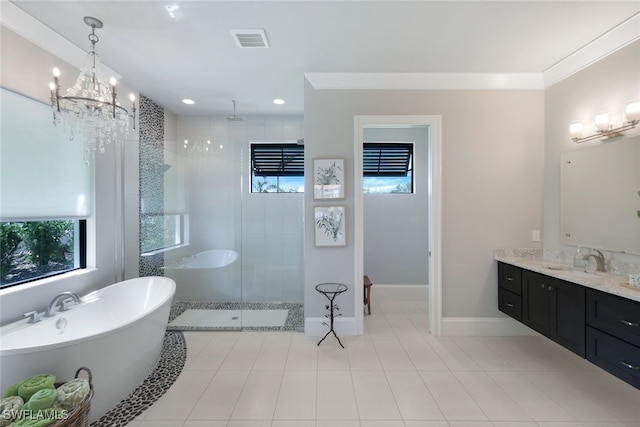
[(567, 315), (535, 301)]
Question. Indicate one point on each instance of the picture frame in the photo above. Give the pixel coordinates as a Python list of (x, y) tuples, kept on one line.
[(328, 179), (329, 223)]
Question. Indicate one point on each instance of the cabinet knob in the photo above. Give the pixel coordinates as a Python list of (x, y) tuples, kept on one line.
[(509, 279), (628, 323), (550, 288), (542, 286), (509, 305)]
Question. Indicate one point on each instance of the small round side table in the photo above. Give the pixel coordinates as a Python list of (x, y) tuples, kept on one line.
[(331, 291)]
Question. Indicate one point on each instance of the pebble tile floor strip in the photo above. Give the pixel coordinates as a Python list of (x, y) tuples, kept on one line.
[(170, 364), (294, 322)]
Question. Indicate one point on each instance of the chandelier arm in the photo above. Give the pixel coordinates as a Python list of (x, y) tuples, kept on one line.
[(95, 101)]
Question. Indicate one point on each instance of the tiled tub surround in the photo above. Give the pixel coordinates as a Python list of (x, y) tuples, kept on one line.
[(559, 264)]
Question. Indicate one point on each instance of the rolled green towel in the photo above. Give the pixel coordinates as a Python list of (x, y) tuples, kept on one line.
[(9, 409), (72, 393), (31, 385), (41, 399), (13, 389)]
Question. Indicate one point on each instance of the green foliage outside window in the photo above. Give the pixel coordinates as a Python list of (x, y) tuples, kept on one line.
[(29, 250)]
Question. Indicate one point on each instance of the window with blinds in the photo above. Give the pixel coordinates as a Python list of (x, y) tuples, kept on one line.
[(277, 168), (387, 167)]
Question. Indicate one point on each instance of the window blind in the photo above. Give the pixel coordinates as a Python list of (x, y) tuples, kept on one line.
[(386, 159), (277, 159), (43, 174)]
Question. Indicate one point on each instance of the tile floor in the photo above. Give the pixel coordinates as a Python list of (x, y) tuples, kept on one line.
[(395, 375)]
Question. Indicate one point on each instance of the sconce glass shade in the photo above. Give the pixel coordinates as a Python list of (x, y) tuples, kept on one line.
[(632, 111), (575, 130), (601, 121)]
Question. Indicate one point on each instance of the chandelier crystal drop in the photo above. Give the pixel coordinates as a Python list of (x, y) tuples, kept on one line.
[(90, 107)]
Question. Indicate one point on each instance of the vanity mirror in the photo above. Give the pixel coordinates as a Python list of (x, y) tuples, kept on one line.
[(600, 196)]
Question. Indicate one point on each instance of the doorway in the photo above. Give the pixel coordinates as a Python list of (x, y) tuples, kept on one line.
[(432, 126)]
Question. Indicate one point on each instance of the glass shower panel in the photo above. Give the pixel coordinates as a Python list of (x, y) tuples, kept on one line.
[(272, 254)]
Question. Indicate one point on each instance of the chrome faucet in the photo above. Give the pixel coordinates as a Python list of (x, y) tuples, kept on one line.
[(34, 316), (66, 298), (600, 266)]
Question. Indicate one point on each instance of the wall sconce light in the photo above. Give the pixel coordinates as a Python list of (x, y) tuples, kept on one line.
[(603, 127)]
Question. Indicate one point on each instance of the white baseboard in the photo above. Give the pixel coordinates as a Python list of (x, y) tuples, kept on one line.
[(344, 326), (484, 326)]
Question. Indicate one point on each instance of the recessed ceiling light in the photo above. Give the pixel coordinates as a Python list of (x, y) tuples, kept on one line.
[(278, 101), (188, 101)]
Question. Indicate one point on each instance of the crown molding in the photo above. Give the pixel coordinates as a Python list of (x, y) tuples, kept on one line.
[(424, 81), (618, 37)]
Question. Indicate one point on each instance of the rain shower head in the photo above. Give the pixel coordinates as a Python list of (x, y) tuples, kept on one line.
[(234, 118)]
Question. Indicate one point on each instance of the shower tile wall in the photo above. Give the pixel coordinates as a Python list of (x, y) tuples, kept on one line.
[(266, 229), (151, 123)]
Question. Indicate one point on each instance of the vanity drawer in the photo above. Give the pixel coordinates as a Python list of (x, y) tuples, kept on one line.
[(510, 303), (615, 315), (510, 278), (614, 356)]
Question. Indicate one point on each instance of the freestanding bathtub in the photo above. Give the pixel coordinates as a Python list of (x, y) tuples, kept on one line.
[(207, 276), (117, 332)]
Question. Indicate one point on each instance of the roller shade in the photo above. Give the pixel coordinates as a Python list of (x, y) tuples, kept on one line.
[(43, 174)]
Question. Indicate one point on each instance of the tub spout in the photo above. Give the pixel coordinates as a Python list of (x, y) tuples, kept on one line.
[(65, 299)]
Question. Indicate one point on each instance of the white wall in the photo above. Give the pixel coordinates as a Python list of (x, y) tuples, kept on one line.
[(266, 229), (396, 234), (606, 85), (26, 68), (492, 166)]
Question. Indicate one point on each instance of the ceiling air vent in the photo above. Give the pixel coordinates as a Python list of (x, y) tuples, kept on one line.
[(250, 38)]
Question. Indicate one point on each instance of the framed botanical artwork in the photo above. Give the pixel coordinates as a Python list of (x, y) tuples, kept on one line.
[(329, 224), (328, 179)]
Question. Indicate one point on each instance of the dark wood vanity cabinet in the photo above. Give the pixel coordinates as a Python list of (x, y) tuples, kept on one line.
[(613, 335), (555, 309), (601, 327)]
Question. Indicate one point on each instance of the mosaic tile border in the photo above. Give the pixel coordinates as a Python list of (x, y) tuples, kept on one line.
[(169, 367), (294, 322)]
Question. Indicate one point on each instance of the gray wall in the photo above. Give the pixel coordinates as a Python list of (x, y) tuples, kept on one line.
[(492, 167), (26, 68), (396, 232), (606, 85)]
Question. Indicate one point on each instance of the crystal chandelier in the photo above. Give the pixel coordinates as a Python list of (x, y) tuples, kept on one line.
[(90, 107)]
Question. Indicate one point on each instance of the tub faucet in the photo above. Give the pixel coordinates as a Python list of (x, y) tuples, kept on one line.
[(34, 316), (600, 266), (66, 298)]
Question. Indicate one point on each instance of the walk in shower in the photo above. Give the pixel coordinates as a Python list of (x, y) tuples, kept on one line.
[(238, 260)]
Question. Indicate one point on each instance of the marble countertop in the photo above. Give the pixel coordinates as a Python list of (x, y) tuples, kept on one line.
[(605, 282)]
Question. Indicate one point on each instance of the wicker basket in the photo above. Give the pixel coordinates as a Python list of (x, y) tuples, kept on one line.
[(79, 417)]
